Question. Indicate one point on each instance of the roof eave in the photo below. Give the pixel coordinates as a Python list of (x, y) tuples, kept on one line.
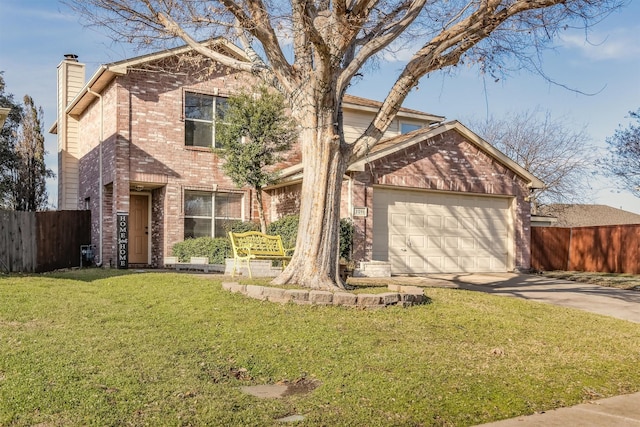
[(360, 165), (430, 118), (532, 181), (122, 66), (106, 73), (100, 79)]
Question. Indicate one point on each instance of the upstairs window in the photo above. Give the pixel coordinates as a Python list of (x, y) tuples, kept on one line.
[(408, 127), (206, 214), (200, 111)]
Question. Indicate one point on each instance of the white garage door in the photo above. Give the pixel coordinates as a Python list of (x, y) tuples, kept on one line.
[(427, 232)]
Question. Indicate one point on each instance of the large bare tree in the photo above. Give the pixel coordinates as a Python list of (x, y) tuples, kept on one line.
[(311, 50)]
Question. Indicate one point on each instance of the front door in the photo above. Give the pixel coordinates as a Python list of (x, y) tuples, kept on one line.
[(139, 229)]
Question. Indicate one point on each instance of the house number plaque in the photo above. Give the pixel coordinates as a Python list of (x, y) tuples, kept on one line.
[(123, 239)]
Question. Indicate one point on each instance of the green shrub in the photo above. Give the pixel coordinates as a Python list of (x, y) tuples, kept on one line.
[(217, 249), (347, 229), (238, 226), (287, 228)]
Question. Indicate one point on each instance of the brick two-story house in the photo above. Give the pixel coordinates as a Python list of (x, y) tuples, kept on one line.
[(134, 148)]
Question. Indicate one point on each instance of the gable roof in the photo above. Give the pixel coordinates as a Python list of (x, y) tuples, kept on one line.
[(403, 141), (107, 72), (389, 146), (583, 215)]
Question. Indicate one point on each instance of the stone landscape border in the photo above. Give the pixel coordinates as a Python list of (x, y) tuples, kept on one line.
[(398, 295)]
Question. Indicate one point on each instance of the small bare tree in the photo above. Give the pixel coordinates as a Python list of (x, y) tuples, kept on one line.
[(623, 160), (312, 50), (562, 158), (30, 172), (22, 169)]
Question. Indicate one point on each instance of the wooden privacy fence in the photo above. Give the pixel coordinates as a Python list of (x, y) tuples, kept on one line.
[(607, 249), (42, 241)]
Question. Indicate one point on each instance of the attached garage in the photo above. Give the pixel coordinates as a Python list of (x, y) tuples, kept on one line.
[(420, 231), (436, 200)]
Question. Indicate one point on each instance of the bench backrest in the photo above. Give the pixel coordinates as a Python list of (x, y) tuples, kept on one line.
[(258, 243)]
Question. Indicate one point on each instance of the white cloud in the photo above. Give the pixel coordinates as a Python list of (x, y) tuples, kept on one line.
[(617, 44)]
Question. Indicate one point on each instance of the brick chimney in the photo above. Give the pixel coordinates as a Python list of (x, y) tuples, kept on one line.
[(71, 80)]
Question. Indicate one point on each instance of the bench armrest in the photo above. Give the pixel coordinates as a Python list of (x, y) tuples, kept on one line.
[(246, 249)]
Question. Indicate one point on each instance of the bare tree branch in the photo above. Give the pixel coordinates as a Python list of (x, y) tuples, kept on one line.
[(444, 50)]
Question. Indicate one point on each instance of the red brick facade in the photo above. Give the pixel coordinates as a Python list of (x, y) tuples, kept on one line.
[(143, 152), (446, 163)]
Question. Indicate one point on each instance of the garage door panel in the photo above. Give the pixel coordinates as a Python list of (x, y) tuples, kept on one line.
[(397, 241), (450, 222), (439, 232), (417, 221), (468, 243), (434, 221), (434, 242), (416, 263), (399, 262), (467, 223), (434, 264), (467, 263), (399, 219), (498, 264), (417, 242), (450, 263), (451, 242), (483, 223), (484, 262)]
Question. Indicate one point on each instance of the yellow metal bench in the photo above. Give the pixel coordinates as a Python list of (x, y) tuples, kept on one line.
[(255, 245)]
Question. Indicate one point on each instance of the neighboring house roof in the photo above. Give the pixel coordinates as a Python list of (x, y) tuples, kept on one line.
[(575, 215), (401, 142)]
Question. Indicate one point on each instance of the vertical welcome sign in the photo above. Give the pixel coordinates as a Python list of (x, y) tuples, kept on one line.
[(123, 239)]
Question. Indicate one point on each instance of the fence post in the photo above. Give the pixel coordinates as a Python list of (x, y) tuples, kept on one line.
[(569, 249)]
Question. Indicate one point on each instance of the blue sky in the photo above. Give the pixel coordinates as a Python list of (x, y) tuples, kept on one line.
[(35, 34)]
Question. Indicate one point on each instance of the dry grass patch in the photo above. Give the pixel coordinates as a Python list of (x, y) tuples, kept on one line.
[(612, 280)]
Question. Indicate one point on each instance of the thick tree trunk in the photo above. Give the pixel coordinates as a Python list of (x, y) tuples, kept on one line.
[(263, 222), (315, 261)]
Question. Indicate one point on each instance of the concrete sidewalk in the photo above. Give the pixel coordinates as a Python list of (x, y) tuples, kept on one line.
[(619, 411)]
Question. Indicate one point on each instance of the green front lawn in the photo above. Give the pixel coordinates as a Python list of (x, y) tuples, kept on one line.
[(92, 348)]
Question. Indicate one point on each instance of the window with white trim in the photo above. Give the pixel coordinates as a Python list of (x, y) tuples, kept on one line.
[(200, 111), (206, 214), (408, 127)]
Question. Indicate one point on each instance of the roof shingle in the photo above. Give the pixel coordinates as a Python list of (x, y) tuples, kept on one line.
[(576, 215)]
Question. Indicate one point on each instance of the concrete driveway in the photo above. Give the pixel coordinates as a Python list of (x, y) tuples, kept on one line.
[(596, 299)]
